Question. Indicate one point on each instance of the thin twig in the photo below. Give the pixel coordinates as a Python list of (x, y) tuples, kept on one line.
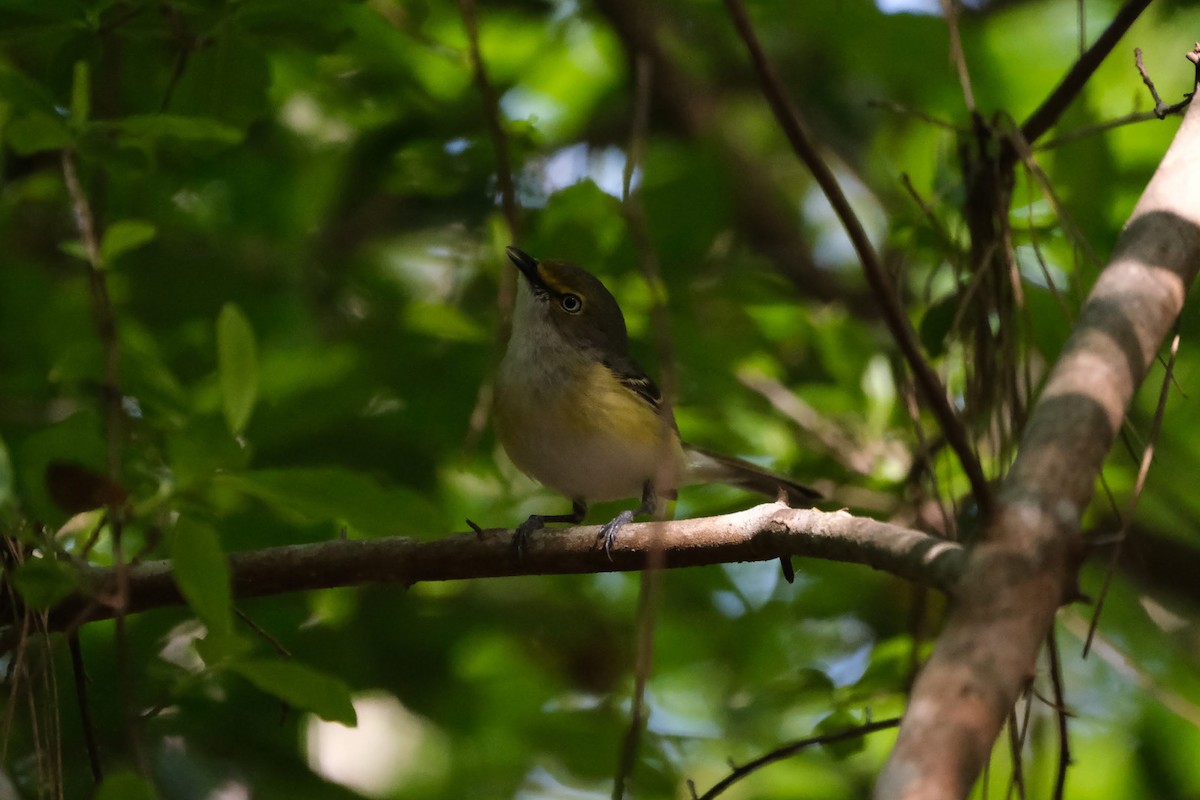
[(1060, 714), (790, 749), (930, 386), (1138, 486), (903, 110), (1047, 114), (276, 645), (1094, 129), (491, 113), (85, 711), (651, 578), (956, 54), (106, 330), (507, 289), (1161, 109)]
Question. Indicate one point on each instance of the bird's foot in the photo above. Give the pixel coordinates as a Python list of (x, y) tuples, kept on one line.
[(609, 532), (521, 535)]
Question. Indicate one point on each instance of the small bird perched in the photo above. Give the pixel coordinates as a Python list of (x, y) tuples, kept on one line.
[(575, 412)]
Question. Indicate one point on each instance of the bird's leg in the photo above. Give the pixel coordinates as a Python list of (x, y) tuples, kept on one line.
[(538, 521), (649, 506)]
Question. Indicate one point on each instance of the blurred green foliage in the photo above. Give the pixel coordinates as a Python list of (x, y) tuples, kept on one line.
[(299, 226)]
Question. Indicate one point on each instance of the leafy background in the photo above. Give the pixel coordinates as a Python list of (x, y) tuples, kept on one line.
[(299, 216)]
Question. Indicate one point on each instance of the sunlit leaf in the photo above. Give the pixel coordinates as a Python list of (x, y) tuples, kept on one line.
[(443, 322), (126, 786), (81, 94)]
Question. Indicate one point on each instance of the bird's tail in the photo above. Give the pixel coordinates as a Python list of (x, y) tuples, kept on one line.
[(705, 466)]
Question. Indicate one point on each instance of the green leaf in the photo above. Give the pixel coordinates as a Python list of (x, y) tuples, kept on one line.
[(301, 687), (37, 131), (935, 325), (81, 94), (216, 648), (152, 127), (835, 723), (202, 573), (237, 364), (340, 495), (126, 786), (24, 93), (42, 582), (123, 236), (6, 476), (444, 322)]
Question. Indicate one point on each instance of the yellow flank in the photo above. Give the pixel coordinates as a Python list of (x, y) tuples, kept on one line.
[(586, 435), (610, 406)]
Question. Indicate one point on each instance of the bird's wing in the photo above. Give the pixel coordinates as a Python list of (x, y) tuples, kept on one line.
[(634, 378)]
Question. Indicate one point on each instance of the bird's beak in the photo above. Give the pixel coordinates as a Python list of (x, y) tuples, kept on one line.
[(529, 268)]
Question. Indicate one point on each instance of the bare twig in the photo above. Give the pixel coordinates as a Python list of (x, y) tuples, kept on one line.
[(85, 710), (1026, 566), (959, 60), (1094, 129), (1161, 109), (1138, 486), (507, 287), (651, 577), (1056, 103), (930, 386), (276, 645), (1060, 715), (790, 749), (106, 329), (491, 113)]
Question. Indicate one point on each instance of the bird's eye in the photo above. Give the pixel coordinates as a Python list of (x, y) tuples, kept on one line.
[(571, 303)]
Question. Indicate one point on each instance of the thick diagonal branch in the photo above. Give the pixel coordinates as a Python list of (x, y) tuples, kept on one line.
[(1026, 567)]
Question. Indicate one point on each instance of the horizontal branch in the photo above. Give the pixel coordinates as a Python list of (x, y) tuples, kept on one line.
[(762, 533)]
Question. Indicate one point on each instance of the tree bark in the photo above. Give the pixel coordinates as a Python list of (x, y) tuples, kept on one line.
[(1005, 602), (763, 533)]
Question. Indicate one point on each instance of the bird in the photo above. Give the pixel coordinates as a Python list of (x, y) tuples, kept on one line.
[(575, 412)]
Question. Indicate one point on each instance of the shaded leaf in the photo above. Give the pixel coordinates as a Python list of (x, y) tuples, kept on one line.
[(35, 132), (301, 687), (835, 723), (237, 365), (339, 495), (123, 236), (935, 325), (216, 648), (42, 582), (151, 127), (201, 571), (24, 93), (6, 476), (76, 488)]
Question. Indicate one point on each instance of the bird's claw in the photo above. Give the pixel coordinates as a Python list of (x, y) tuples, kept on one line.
[(609, 531), (523, 532)]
